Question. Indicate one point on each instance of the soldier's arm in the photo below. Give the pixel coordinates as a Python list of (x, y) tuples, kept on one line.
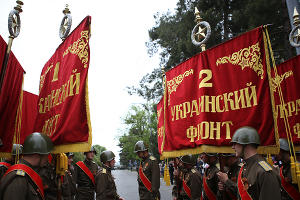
[(17, 189), (101, 185), (155, 179), (232, 187), (269, 186)]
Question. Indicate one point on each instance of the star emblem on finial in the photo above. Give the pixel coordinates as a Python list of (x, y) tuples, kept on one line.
[(201, 33)]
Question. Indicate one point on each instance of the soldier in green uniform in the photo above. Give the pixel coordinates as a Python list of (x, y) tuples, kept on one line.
[(228, 179), (15, 152), (69, 183), (257, 179), (50, 179), (105, 184), (22, 181), (191, 182), (85, 173), (148, 173), (210, 178), (289, 191)]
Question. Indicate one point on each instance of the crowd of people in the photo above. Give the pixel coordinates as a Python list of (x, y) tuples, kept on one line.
[(210, 176)]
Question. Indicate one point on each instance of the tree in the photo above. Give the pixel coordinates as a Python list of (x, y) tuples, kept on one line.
[(170, 36), (140, 124)]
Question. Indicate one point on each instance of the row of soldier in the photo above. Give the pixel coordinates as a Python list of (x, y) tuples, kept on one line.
[(253, 178)]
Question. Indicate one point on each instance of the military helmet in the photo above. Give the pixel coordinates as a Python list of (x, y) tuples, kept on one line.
[(107, 156), (92, 150), (37, 143), (246, 135), (16, 149), (69, 154), (284, 144), (211, 154), (140, 146), (189, 159)]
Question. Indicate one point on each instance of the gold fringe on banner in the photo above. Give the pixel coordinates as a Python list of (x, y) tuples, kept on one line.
[(213, 149), (82, 146)]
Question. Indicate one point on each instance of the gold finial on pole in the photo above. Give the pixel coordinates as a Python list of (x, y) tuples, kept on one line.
[(66, 23), (201, 32), (296, 17), (14, 27), (66, 10), (198, 18)]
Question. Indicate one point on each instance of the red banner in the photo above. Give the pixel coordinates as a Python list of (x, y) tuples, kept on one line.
[(29, 113), (214, 93), (288, 78), (63, 109), (9, 99)]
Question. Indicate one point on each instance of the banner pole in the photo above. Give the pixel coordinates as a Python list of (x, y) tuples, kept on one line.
[(14, 27)]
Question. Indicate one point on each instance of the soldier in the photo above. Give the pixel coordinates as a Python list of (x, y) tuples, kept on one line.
[(228, 181), (257, 179), (210, 178), (22, 181), (69, 183), (85, 173), (105, 184), (16, 151), (191, 182), (148, 173), (50, 178), (289, 190)]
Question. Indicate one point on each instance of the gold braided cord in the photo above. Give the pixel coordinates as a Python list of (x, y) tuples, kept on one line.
[(165, 107), (286, 122), (267, 56)]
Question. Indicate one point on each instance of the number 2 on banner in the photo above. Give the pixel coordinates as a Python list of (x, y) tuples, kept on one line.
[(204, 81)]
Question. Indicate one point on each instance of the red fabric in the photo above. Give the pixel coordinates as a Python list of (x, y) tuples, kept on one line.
[(9, 97), (35, 177), (29, 112), (144, 179), (289, 79), (62, 110), (208, 192), (186, 189), (292, 192), (235, 69), (86, 170), (243, 193), (7, 165)]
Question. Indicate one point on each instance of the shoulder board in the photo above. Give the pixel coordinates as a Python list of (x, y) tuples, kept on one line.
[(20, 173), (240, 164), (193, 171), (152, 158), (103, 171), (265, 165)]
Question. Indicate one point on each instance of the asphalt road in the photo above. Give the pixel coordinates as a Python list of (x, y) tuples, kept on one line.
[(127, 186)]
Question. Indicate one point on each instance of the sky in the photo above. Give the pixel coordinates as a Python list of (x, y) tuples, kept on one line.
[(118, 55)]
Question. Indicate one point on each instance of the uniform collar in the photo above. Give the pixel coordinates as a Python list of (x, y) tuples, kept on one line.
[(107, 168), (252, 159)]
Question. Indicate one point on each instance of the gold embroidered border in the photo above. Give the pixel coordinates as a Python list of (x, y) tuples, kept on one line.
[(276, 81), (80, 48), (176, 81), (247, 57)]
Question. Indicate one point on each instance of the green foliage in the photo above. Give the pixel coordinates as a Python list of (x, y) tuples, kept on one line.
[(140, 124), (170, 36)]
